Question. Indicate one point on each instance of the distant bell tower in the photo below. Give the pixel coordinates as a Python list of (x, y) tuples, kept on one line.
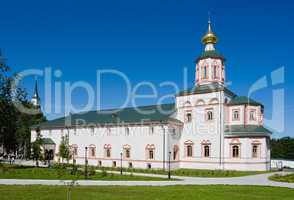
[(36, 99), (210, 67)]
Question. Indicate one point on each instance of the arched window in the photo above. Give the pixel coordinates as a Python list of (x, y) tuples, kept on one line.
[(215, 72), (235, 151), (150, 151), (107, 150), (175, 152), (189, 117), (127, 151), (187, 104), (206, 151), (213, 101), (92, 151), (108, 153), (200, 102), (189, 150), (236, 115), (173, 130), (209, 115), (254, 151), (204, 72), (252, 115), (151, 154), (226, 100)]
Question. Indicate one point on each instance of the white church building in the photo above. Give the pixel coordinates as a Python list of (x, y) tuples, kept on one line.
[(207, 127)]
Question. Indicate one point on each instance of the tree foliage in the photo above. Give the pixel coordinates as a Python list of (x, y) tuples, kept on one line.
[(36, 148), (64, 149), (14, 125), (282, 148)]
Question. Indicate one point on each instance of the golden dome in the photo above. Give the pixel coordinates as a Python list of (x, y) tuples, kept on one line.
[(209, 37)]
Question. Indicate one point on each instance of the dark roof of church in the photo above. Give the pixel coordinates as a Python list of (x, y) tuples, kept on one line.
[(152, 113), (207, 88), (47, 141), (246, 130), (243, 100), (210, 54)]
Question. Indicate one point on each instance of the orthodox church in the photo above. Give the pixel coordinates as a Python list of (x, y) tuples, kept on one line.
[(207, 127)]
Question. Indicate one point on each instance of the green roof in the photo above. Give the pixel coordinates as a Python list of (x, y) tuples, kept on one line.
[(247, 130), (207, 88), (47, 141), (210, 54), (242, 100), (152, 113)]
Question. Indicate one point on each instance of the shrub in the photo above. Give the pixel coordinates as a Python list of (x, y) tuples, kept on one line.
[(3, 168), (60, 169), (74, 170), (91, 171), (103, 172)]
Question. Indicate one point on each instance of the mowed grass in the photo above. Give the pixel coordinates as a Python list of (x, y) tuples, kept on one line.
[(146, 193), (22, 172), (283, 178), (193, 172)]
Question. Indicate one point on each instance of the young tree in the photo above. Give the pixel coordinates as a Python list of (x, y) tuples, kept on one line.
[(36, 148), (64, 149), (23, 132)]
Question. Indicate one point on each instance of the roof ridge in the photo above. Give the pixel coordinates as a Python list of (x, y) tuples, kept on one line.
[(125, 108), (244, 100), (125, 114)]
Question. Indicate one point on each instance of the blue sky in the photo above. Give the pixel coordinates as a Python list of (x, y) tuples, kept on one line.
[(150, 41)]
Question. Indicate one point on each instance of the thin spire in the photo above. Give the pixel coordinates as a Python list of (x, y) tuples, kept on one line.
[(209, 22), (209, 26), (36, 93), (36, 99)]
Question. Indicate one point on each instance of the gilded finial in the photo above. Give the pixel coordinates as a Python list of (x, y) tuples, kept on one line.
[(209, 37)]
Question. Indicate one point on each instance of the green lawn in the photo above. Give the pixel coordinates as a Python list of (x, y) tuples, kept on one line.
[(21, 172), (286, 178), (194, 172), (148, 193)]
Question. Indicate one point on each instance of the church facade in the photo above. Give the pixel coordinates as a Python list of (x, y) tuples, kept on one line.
[(208, 127)]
